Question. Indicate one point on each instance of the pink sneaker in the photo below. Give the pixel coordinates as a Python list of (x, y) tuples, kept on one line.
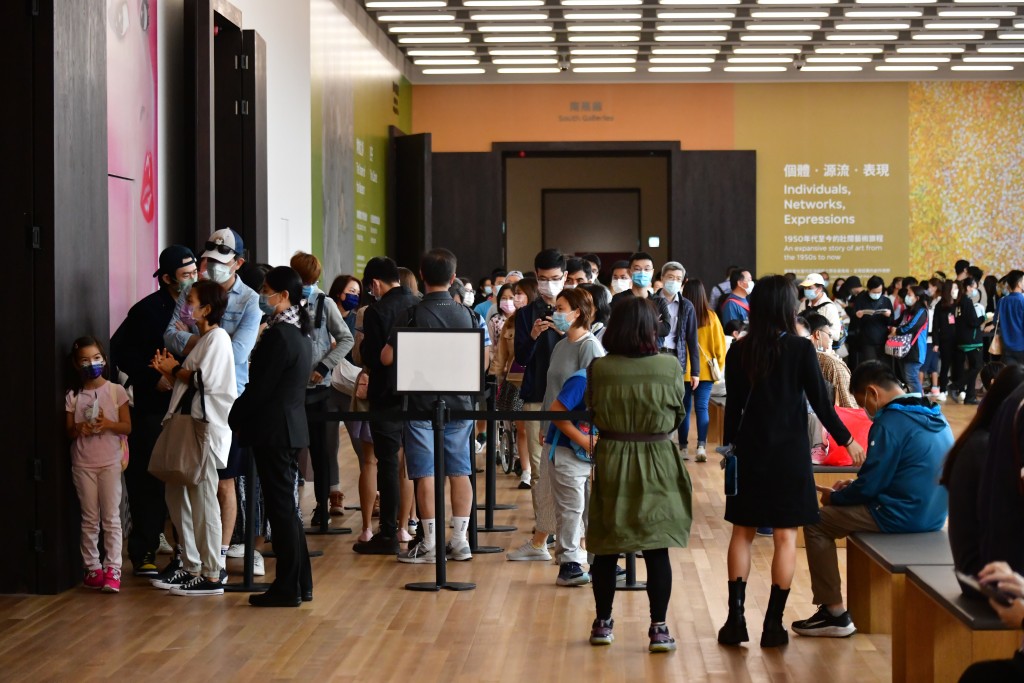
[(112, 580), (819, 454), (94, 579)]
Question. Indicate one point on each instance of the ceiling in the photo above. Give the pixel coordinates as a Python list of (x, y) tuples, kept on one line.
[(559, 41)]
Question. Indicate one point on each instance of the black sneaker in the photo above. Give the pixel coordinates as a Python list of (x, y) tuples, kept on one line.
[(146, 566), (179, 578), (822, 624), (314, 520), (378, 545), (170, 569), (572, 574), (199, 586)]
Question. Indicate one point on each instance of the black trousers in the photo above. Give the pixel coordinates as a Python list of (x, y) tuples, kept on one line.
[(323, 444), (145, 492), (387, 439), (997, 671), (947, 369), (278, 468), (966, 366), (659, 583)]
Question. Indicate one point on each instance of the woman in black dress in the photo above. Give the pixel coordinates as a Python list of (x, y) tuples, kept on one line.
[(769, 374)]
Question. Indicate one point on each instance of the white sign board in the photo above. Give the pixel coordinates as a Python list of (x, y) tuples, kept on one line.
[(434, 361)]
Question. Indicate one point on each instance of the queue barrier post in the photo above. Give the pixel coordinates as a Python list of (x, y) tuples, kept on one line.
[(631, 584), (248, 584), (491, 468), (322, 481)]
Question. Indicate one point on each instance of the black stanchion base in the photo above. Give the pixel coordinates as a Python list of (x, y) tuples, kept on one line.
[(352, 507), (486, 550), (242, 588), (501, 506), (496, 529), (434, 587), (331, 531), (312, 553), (635, 586)]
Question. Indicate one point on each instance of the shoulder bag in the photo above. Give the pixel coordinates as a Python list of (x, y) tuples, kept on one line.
[(899, 346), (713, 367), (730, 463), (179, 456)]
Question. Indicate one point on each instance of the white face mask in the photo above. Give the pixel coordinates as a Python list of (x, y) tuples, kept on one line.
[(749, 287), (549, 288), (468, 298), (219, 272), (621, 285)]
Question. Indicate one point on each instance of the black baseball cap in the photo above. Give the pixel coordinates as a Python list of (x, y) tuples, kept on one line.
[(174, 257)]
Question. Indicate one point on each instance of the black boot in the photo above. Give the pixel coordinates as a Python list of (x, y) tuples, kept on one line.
[(774, 633), (735, 630)]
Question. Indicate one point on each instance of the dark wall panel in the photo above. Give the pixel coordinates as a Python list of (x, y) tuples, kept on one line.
[(467, 210), (714, 212)]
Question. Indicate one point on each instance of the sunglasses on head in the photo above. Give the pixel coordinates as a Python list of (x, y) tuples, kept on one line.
[(220, 248)]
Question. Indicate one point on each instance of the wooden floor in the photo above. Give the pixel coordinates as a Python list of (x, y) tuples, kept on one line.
[(362, 626)]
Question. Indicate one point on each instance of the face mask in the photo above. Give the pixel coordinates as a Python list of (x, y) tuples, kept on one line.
[(955, 292), (219, 272), (871, 416), (92, 370), (749, 287), (265, 304), (549, 289), (307, 291), (672, 287), (909, 300), (508, 306), (619, 285), (875, 296), (468, 298), (187, 316), (520, 300), (975, 295), (561, 321), (488, 291), (184, 286), (350, 302), (810, 294), (641, 278)]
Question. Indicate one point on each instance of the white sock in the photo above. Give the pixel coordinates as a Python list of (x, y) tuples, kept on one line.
[(428, 532), (460, 526), (836, 611)]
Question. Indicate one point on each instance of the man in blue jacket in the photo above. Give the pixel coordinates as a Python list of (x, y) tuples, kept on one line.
[(897, 490)]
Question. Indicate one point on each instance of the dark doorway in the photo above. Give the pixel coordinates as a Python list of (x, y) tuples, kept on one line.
[(591, 221)]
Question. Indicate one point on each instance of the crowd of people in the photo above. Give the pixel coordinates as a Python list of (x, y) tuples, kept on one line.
[(252, 353)]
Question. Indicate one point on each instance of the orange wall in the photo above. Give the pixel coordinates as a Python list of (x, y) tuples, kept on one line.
[(468, 118)]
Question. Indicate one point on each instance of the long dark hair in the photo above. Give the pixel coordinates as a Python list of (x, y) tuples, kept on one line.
[(632, 328), (946, 299), (74, 375), (602, 301), (921, 294), (285, 279), (694, 292), (1006, 383), (772, 313), (962, 294)]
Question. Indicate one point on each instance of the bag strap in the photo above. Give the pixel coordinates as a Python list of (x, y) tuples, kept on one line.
[(319, 311), (743, 415), (185, 403)]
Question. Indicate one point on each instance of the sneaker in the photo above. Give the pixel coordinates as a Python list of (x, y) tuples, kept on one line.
[(524, 483), (819, 454), (224, 574), (236, 550), (179, 578), (419, 554), (941, 396), (934, 392), (337, 503), (527, 553), (823, 624), (971, 401), (404, 536), (572, 574), (702, 453), (314, 520), (93, 579), (620, 574), (169, 569), (199, 586), (378, 545), (684, 452), (164, 547), (459, 553), (112, 580), (258, 565), (146, 566), (661, 641), (551, 541), (764, 531), (601, 632)]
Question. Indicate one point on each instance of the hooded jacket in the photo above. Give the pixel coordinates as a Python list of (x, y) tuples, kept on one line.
[(899, 480)]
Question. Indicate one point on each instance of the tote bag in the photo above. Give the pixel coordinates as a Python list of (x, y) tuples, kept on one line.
[(179, 456)]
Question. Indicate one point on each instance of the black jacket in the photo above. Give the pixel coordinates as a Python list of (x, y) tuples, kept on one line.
[(872, 329), (272, 409), (664, 324), (378, 320), (534, 354), (135, 343), (1000, 498), (968, 324)]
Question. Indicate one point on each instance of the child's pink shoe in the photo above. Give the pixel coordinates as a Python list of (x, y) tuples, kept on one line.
[(112, 580), (94, 579)]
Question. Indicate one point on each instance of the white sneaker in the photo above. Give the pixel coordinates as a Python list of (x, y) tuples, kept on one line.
[(258, 569), (418, 554), (684, 452), (941, 396), (702, 453), (236, 550), (165, 547), (527, 553), (459, 553)]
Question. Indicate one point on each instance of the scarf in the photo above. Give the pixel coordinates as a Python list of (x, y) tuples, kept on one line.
[(289, 316)]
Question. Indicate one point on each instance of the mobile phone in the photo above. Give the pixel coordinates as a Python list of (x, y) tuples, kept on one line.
[(987, 589), (731, 466)]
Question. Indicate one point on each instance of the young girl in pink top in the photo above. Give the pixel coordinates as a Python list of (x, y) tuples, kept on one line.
[(97, 419)]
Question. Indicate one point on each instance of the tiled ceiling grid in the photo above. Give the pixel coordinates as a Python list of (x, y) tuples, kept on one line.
[(497, 40)]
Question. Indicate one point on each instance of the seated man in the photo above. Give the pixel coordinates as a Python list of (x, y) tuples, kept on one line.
[(897, 491), (837, 378)]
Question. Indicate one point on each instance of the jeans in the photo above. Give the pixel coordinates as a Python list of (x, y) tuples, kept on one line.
[(912, 372), (698, 399)]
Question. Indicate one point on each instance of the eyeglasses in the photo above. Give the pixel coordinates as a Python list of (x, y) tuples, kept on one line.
[(220, 248)]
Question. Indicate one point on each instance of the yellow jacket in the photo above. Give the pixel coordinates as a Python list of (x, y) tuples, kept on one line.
[(711, 340)]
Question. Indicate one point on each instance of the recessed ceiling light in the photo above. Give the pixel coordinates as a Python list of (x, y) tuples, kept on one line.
[(515, 28), (695, 2), (527, 52), (960, 25), (798, 2), (780, 37), (926, 50), (604, 69), (761, 26), (860, 37), (976, 13), (602, 16), (444, 62), (838, 60), (813, 69), (433, 39), (519, 39), (895, 2), (916, 60), (440, 72), (1011, 36), (600, 3), (1008, 48), (989, 2), (883, 13), (755, 69), (685, 50), (604, 51), (679, 38), (849, 50), (424, 29), (604, 28), (441, 53), (766, 50), (789, 14), (694, 27), (696, 14), (503, 3), (872, 26), (1004, 58), (760, 60), (604, 39), (603, 60), (907, 67), (948, 36), (424, 16), (681, 60), (530, 70), (678, 69), (525, 60), (405, 4), (506, 16), (980, 67)]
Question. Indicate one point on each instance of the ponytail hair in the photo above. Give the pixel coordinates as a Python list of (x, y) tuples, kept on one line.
[(285, 279)]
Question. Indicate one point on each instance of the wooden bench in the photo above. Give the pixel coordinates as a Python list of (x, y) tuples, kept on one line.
[(716, 419), (876, 566), (945, 632), (826, 475)]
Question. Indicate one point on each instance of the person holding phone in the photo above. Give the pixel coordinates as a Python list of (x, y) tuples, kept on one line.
[(1006, 587)]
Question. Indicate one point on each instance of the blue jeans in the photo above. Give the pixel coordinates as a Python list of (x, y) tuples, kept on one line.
[(699, 398), (911, 370)]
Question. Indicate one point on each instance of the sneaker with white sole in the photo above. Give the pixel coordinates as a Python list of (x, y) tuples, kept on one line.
[(527, 553), (164, 548), (258, 566), (458, 553), (199, 586), (418, 554), (601, 632), (236, 550), (702, 453), (572, 574), (941, 396), (179, 578), (823, 624)]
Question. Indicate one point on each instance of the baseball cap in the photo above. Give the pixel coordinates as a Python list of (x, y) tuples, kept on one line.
[(224, 245), (813, 279), (174, 257)]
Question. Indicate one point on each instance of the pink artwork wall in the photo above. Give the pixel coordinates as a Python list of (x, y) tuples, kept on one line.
[(131, 151)]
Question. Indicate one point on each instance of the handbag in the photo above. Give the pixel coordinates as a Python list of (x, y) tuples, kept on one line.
[(179, 456), (345, 376), (995, 347), (730, 463), (713, 367), (899, 345)]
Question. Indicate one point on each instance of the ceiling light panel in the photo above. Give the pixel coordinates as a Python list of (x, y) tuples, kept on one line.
[(604, 28), (979, 67), (602, 16), (509, 16), (583, 52), (423, 16), (678, 69), (789, 14), (524, 60), (696, 15), (403, 4), (768, 26), (883, 13), (837, 67)]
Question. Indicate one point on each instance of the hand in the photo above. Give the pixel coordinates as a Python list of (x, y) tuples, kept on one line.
[(860, 314), (164, 385), (840, 485), (826, 498), (1000, 574), (182, 327), (163, 362), (886, 312), (856, 452), (103, 424), (694, 383), (316, 378), (935, 349), (540, 325), (83, 429), (541, 438)]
